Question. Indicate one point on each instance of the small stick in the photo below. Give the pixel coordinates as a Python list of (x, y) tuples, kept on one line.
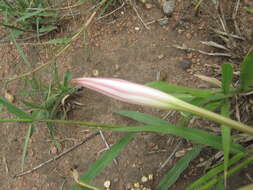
[(6, 165), (202, 52), (106, 15), (234, 17), (226, 34), (62, 185), (138, 15), (107, 145), (58, 156), (214, 44), (170, 156)]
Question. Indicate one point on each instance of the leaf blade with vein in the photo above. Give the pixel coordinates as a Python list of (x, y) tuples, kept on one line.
[(171, 177)]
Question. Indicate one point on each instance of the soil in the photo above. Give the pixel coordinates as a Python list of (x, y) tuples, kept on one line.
[(120, 47)]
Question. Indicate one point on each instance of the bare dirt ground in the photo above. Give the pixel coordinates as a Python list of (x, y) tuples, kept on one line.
[(119, 46)]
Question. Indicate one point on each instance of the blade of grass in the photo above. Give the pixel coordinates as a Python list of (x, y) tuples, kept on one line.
[(169, 88), (168, 128), (227, 77), (26, 143), (141, 117), (21, 52), (213, 172), (15, 110), (171, 177), (194, 135), (226, 138), (246, 74), (220, 186), (230, 172), (104, 160)]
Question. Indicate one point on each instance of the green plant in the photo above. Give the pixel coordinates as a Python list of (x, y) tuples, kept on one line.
[(33, 18), (47, 102), (218, 99)]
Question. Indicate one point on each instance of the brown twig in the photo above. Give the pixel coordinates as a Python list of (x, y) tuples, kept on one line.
[(58, 156), (138, 15), (110, 13), (171, 155), (202, 52)]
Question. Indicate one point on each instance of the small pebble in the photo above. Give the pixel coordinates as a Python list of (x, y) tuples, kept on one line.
[(9, 96), (150, 177), (180, 153), (144, 179), (136, 185), (137, 28), (160, 56), (168, 7), (116, 67), (107, 184), (95, 73), (53, 150), (148, 5), (185, 65), (163, 22), (188, 36)]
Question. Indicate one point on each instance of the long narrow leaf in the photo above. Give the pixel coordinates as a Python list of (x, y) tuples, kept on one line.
[(226, 138), (231, 171), (104, 160), (169, 88), (161, 126), (26, 142), (194, 135), (171, 177), (213, 172), (227, 76), (142, 117), (15, 110), (246, 74)]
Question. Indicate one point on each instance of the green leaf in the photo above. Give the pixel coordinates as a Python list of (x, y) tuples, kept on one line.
[(12, 27), (246, 74), (21, 52), (15, 110), (170, 89), (67, 78), (59, 41), (26, 16), (26, 143), (231, 171), (226, 137), (220, 186), (227, 77), (159, 126), (171, 177), (194, 135), (10, 36), (249, 10), (104, 160), (47, 29), (142, 117), (213, 172), (31, 105)]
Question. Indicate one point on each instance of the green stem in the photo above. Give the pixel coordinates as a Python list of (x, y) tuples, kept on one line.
[(88, 124), (186, 107), (230, 172)]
